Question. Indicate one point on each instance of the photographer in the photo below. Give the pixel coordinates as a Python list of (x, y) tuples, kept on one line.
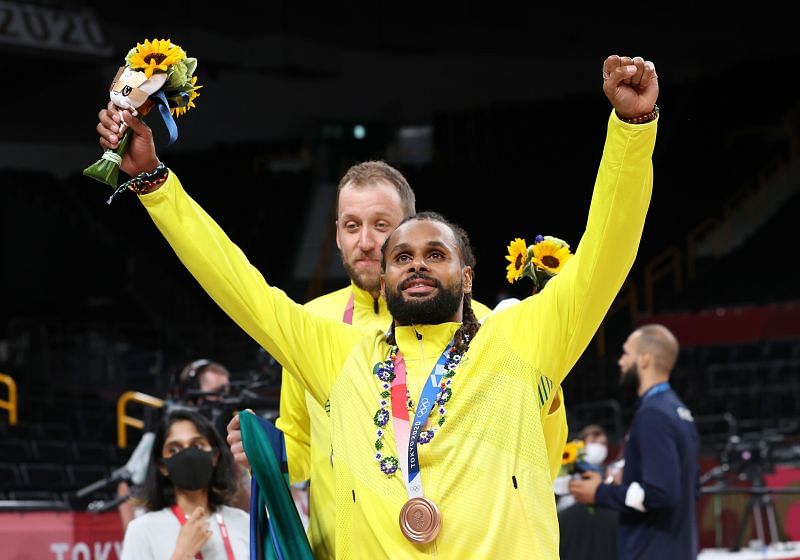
[(191, 479), (200, 381), (204, 385)]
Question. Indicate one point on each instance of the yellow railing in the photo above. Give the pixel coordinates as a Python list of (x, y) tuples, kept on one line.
[(657, 268), (123, 420), (11, 404)]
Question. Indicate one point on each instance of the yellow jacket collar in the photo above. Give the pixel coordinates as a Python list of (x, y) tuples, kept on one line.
[(364, 298), (433, 337)]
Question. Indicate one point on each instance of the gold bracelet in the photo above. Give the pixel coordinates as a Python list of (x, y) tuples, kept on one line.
[(641, 119)]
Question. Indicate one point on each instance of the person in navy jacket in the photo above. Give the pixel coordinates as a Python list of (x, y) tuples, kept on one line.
[(660, 482)]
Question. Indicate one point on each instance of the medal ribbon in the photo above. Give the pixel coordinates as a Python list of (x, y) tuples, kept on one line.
[(406, 433), (347, 316), (656, 389)]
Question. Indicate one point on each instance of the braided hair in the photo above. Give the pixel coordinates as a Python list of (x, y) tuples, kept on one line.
[(469, 323)]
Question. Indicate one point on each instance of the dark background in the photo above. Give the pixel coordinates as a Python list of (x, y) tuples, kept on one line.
[(94, 303)]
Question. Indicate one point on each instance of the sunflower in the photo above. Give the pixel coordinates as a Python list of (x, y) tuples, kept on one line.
[(155, 55), (517, 257), (569, 454), (192, 91), (572, 451), (550, 255)]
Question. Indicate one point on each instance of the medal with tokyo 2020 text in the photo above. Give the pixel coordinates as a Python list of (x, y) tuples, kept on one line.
[(420, 518)]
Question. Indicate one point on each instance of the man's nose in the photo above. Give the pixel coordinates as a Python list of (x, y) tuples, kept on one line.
[(366, 240), (417, 264)]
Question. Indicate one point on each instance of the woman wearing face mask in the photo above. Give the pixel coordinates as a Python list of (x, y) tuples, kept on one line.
[(190, 479), (588, 533), (596, 449), (595, 452)]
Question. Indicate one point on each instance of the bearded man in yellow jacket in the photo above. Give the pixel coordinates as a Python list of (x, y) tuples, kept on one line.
[(372, 199), (472, 479)]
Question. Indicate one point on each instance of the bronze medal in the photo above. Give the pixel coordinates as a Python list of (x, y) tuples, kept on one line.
[(420, 520)]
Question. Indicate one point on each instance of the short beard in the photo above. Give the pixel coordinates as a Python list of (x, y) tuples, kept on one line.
[(439, 309), (371, 285)]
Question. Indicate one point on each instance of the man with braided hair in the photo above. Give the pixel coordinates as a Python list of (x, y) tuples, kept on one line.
[(437, 425), (372, 199)]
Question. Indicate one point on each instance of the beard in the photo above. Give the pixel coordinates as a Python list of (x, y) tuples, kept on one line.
[(629, 383), (430, 311), (368, 282)]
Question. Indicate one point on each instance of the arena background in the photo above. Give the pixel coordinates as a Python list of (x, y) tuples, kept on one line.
[(496, 116)]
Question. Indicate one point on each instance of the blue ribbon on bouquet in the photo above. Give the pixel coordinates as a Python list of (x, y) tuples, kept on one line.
[(163, 108)]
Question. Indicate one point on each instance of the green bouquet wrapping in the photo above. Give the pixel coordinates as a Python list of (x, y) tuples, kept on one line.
[(157, 74)]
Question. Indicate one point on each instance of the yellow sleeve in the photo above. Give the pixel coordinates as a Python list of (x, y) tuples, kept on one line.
[(267, 314), (295, 423), (552, 329)]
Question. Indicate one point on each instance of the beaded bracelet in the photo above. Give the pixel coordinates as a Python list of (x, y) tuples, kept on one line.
[(641, 119), (144, 182)]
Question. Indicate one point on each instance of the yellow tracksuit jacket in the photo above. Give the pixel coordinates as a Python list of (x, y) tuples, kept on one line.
[(487, 468), (306, 425)]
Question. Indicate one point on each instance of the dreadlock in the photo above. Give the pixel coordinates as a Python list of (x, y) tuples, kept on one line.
[(469, 324)]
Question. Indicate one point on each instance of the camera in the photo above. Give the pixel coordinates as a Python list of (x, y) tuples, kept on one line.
[(750, 458), (220, 406)]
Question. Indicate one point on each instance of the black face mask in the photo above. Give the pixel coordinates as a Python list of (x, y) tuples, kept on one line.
[(190, 469)]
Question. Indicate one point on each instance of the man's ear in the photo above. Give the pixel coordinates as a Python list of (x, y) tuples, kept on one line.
[(383, 284), (338, 243), (466, 278), (644, 359)]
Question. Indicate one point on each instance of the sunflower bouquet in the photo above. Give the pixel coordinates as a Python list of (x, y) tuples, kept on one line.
[(573, 454), (158, 74), (573, 463), (540, 261)]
